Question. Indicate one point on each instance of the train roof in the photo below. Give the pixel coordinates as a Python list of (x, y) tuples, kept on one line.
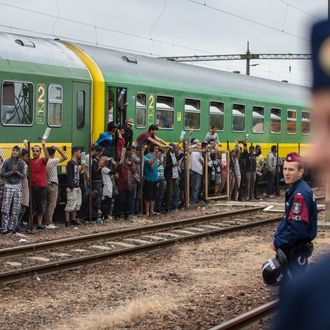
[(38, 51), (138, 69)]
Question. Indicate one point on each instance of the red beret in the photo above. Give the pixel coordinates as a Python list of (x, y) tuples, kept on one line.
[(293, 157)]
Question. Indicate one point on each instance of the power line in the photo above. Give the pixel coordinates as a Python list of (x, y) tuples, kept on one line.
[(297, 8), (57, 17), (248, 19)]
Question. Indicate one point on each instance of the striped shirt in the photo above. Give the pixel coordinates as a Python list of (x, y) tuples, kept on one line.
[(51, 170)]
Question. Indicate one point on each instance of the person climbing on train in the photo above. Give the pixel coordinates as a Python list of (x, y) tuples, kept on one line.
[(148, 137), (212, 135), (107, 139)]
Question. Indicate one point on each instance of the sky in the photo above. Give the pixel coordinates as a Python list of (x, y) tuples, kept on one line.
[(179, 27)]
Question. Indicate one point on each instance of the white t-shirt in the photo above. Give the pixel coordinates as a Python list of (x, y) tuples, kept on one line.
[(107, 182), (51, 170)]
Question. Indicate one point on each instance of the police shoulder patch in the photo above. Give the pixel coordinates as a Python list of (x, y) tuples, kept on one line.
[(296, 208)]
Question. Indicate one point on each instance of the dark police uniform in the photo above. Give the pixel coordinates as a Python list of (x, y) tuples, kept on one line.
[(299, 224), (304, 302)]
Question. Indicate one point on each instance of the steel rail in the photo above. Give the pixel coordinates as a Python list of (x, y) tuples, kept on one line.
[(249, 318), (20, 274), (16, 250)]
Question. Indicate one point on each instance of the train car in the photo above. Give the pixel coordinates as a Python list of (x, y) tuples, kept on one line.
[(43, 84), (77, 89), (179, 97)]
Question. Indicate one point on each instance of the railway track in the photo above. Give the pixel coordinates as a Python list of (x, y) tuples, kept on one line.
[(250, 318), (17, 263)]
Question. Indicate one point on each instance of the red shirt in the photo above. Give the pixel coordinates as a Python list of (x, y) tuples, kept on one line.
[(38, 172), (142, 139)]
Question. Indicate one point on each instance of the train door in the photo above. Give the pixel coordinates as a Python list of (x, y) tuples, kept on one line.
[(116, 104), (81, 106)]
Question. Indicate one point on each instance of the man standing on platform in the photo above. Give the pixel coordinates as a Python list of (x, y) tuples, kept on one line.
[(38, 181), (12, 172), (52, 183)]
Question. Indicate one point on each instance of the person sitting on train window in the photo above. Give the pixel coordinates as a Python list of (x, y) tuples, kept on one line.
[(128, 136), (12, 173), (149, 137), (106, 139), (38, 181), (52, 183), (212, 134)]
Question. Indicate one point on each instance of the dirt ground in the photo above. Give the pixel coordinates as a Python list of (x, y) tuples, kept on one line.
[(193, 285)]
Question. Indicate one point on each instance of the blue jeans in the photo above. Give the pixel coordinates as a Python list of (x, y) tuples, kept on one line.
[(195, 186)]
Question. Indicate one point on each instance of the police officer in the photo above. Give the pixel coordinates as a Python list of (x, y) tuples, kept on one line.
[(299, 225), (305, 302)]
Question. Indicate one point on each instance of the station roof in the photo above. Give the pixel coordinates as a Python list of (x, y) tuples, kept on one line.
[(138, 69)]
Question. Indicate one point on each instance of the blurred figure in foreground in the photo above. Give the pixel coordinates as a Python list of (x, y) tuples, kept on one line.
[(305, 302)]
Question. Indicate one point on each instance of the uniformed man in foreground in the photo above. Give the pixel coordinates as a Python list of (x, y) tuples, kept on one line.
[(305, 302), (298, 227)]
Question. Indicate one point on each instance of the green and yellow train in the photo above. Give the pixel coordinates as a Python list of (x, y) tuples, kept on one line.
[(76, 89)]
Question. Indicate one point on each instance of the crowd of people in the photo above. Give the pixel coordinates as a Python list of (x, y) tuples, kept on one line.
[(120, 178)]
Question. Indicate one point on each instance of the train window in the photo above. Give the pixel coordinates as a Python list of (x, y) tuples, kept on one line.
[(275, 121), (55, 105), (258, 120), (217, 115), (17, 103), (141, 110), (192, 112), (238, 113), (165, 112), (305, 122), (81, 109), (291, 122)]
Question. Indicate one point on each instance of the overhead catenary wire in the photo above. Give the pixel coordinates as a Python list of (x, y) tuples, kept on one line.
[(92, 26), (205, 5)]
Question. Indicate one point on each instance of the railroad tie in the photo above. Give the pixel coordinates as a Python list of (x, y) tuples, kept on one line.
[(166, 234), (60, 254), (100, 247), (41, 259), (185, 232), (13, 264), (121, 244), (153, 238), (136, 241)]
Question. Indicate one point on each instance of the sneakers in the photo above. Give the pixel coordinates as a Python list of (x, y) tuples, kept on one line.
[(51, 226), (40, 227)]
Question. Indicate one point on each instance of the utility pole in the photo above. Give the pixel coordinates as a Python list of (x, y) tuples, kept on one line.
[(248, 57)]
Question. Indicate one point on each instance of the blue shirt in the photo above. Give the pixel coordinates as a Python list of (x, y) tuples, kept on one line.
[(149, 173)]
